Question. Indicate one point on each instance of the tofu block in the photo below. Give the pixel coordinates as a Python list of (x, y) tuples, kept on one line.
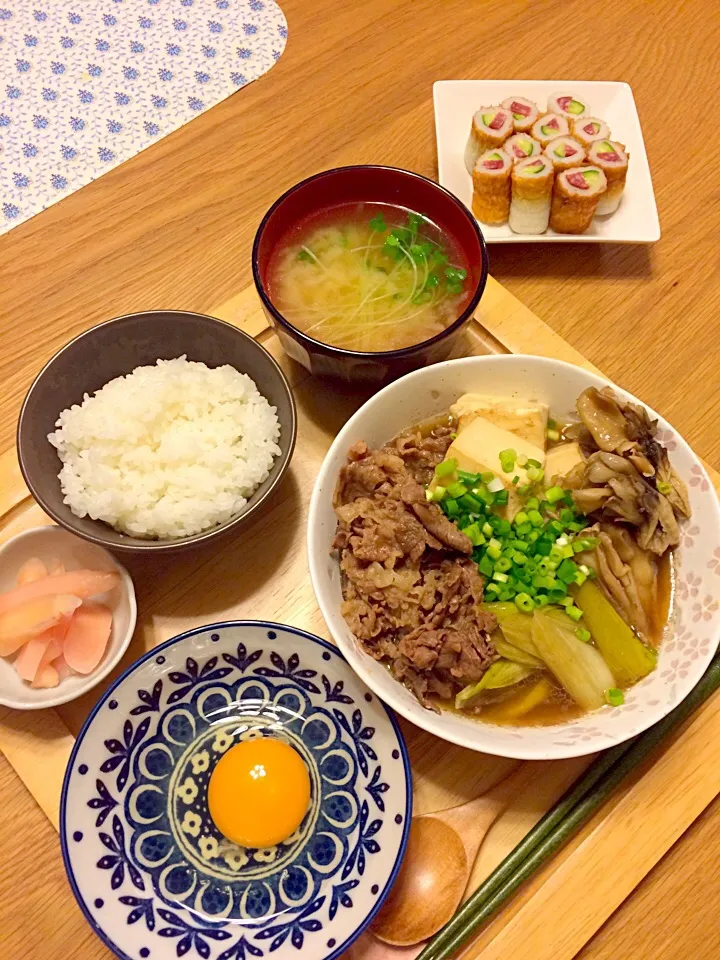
[(477, 450), (527, 420), (561, 459)]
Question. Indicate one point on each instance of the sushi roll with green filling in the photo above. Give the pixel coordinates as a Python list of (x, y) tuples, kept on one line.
[(521, 145), (491, 186), (588, 129), (575, 198), (568, 106), (524, 112), (565, 152), (491, 126), (612, 158), (549, 127), (532, 183)]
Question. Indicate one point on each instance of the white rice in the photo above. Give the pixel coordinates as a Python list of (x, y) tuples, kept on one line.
[(168, 451)]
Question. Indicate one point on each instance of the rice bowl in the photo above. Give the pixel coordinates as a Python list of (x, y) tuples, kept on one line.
[(190, 446)]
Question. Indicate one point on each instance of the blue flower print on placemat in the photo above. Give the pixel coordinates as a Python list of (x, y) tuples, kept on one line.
[(95, 53)]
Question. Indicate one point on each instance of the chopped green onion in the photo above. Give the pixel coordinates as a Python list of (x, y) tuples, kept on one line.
[(524, 602), (451, 507), (552, 435), (470, 503), (515, 479), (487, 529), (500, 577), (535, 518), (554, 494), (445, 468), (567, 571), (485, 566), (507, 460), (501, 498), (583, 634), (534, 463), (522, 460), (520, 518), (487, 477), (536, 474), (469, 478), (575, 613), (493, 588), (615, 697)]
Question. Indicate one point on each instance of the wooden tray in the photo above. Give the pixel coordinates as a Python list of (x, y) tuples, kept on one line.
[(553, 916)]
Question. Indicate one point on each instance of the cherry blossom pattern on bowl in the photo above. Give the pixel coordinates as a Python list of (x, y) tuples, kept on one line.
[(150, 870), (693, 630)]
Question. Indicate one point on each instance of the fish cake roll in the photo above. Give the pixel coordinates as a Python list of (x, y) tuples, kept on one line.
[(524, 112), (612, 158), (490, 127), (531, 194), (576, 195), (491, 186), (521, 145), (565, 152), (549, 127), (588, 129), (566, 105)]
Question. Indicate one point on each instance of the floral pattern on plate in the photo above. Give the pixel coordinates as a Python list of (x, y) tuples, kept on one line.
[(148, 866), (87, 84)]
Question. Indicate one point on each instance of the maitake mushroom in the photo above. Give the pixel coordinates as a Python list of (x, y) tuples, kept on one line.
[(627, 475)]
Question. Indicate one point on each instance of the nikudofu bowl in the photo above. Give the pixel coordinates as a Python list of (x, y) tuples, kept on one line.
[(370, 184), (694, 631), (114, 349)]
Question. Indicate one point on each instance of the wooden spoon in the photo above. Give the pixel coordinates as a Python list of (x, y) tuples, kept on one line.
[(440, 855)]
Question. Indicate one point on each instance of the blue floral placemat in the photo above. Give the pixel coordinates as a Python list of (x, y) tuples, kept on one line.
[(87, 84)]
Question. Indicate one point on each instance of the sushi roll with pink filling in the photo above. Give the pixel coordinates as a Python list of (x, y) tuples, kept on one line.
[(575, 198), (521, 145), (548, 127), (565, 152), (568, 106), (532, 183), (524, 112), (612, 158), (589, 129), (491, 186), (491, 126)]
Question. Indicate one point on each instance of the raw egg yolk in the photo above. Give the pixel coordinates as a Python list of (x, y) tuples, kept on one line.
[(259, 792)]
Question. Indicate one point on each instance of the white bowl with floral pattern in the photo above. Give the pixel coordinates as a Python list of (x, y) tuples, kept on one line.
[(693, 632)]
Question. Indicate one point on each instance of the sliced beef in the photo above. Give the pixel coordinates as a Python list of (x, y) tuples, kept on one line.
[(411, 592)]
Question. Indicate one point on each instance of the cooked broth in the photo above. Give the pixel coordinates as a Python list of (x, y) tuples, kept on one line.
[(369, 277)]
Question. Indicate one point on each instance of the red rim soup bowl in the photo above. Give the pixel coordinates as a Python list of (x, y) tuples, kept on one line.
[(369, 184)]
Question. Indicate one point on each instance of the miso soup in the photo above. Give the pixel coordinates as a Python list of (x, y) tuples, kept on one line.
[(369, 277)]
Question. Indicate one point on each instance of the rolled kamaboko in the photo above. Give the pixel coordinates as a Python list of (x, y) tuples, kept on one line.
[(548, 127), (524, 112), (568, 106), (565, 152), (576, 194), (531, 194), (521, 145), (588, 129), (491, 186), (491, 126), (612, 158)]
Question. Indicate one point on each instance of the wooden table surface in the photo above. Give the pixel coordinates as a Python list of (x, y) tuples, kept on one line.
[(174, 226)]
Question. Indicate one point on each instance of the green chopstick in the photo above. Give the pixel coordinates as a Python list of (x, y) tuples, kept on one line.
[(563, 821)]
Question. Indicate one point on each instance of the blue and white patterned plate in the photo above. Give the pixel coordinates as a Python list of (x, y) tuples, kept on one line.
[(149, 869)]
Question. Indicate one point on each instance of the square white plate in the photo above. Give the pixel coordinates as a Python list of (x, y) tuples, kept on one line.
[(636, 219)]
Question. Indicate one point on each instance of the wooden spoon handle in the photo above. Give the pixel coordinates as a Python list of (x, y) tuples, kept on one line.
[(368, 947)]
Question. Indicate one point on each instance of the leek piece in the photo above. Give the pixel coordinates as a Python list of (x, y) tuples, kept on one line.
[(626, 655), (517, 630), (510, 652), (502, 673), (578, 666), (500, 610)]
